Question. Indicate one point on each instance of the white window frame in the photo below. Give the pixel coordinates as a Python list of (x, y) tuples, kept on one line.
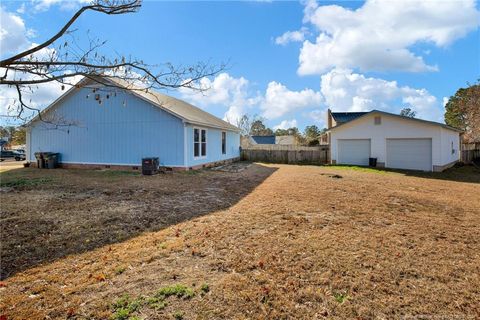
[(224, 152), (200, 143)]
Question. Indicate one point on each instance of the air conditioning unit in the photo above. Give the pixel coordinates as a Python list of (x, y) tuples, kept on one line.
[(150, 166)]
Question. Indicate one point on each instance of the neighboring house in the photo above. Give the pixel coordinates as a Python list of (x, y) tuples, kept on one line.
[(283, 140), (262, 139), (286, 140), (109, 126), (395, 141)]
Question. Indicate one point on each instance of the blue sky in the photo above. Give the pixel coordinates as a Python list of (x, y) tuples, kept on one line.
[(348, 56)]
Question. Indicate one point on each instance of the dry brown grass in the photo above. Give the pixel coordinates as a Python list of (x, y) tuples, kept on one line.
[(301, 244)]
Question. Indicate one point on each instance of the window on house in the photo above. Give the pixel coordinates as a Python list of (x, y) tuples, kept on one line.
[(199, 142), (224, 142), (378, 120)]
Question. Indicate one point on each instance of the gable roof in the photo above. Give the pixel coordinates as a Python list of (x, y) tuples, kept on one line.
[(346, 116), (179, 108), (399, 116), (264, 139)]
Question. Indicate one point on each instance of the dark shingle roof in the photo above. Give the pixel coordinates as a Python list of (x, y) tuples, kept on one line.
[(342, 117), (264, 139)]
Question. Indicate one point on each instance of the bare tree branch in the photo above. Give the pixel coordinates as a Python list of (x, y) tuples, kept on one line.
[(61, 61)]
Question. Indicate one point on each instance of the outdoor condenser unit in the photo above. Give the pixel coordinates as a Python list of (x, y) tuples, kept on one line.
[(150, 166)]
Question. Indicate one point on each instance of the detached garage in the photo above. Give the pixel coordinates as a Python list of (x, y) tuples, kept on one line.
[(395, 141)]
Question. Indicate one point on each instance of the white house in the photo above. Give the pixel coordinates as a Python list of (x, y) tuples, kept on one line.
[(110, 126), (395, 141)]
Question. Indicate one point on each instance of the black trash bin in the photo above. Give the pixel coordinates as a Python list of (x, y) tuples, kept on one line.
[(40, 160), (372, 162), (51, 160), (150, 166)]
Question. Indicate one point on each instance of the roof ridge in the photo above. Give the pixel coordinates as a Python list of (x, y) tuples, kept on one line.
[(175, 108)]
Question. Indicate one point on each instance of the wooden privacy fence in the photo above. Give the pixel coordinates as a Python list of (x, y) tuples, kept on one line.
[(287, 154), (470, 151)]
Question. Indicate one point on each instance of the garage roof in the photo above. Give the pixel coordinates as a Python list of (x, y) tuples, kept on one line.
[(341, 117), (399, 116)]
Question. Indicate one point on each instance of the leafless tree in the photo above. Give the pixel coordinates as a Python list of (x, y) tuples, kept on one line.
[(61, 59)]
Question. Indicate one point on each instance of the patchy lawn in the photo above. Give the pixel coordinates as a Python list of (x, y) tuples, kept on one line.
[(272, 241)]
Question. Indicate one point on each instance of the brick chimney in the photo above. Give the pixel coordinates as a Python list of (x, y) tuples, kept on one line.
[(329, 118)]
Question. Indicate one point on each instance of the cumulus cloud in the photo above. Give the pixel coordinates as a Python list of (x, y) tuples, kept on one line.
[(44, 5), (279, 100), (291, 36), (37, 97), (237, 96), (13, 33), (14, 36), (379, 35), (318, 116), (344, 90), (223, 90), (286, 124)]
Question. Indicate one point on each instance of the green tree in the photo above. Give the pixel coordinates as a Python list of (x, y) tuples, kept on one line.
[(408, 112), (3, 132), (258, 128), (311, 132), (19, 136), (281, 132), (462, 111)]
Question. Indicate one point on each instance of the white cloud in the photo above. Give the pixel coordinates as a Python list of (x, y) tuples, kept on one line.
[(238, 98), (15, 37), (379, 35), (286, 124), (318, 116), (279, 100), (445, 101), (344, 90), (21, 9), (37, 97), (291, 36), (44, 5), (223, 90), (13, 33)]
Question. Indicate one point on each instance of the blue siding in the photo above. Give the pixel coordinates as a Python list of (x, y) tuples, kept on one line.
[(214, 146), (122, 130)]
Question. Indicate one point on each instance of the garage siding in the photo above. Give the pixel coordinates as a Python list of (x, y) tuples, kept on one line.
[(393, 127)]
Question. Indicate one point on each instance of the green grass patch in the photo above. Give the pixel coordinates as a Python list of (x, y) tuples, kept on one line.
[(179, 290), (191, 172), (19, 182), (127, 308), (116, 173), (205, 288), (340, 297), (124, 307), (119, 270), (178, 315), (357, 168)]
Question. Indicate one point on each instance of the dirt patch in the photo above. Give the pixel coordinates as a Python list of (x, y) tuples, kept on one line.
[(50, 214), (298, 245)]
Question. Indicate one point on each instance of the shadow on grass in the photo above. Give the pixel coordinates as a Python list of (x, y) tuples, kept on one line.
[(466, 173), (49, 214)]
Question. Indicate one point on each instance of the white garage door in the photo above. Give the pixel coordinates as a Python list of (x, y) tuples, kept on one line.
[(353, 151), (413, 154)]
